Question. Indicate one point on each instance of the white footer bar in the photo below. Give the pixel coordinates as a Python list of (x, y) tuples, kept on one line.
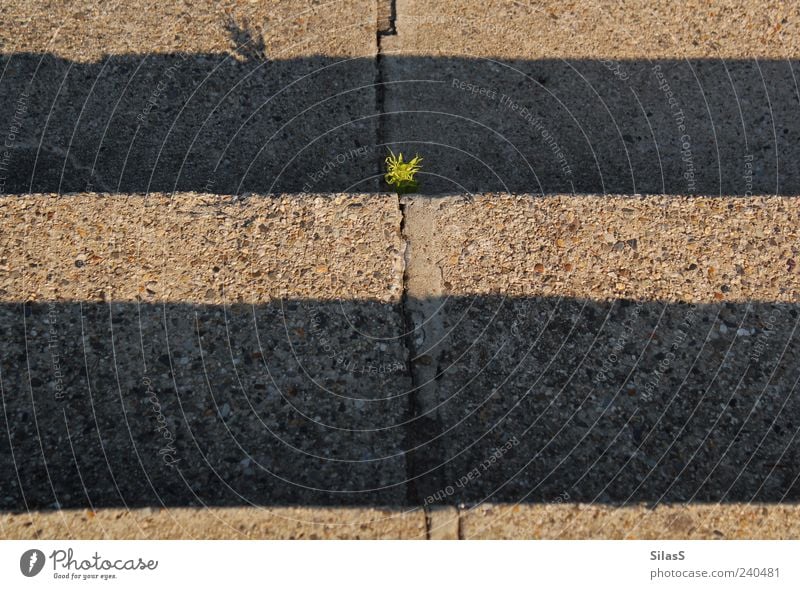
[(401, 564)]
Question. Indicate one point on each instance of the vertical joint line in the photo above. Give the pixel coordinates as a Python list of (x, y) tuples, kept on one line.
[(386, 26), (387, 15), (407, 321)]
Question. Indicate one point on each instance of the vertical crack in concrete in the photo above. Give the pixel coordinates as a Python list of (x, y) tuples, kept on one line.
[(422, 323), (412, 491), (385, 26), (387, 14)]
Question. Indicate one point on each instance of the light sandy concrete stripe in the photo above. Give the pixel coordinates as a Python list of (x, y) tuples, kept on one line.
[(610, 247), (201, 249), (666, 522), (209, 249), (280, 523), (88, 31), (493, 521), (629, 29)]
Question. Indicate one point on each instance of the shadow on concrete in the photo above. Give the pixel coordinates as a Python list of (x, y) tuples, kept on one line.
[(235, 124), (310, 403)]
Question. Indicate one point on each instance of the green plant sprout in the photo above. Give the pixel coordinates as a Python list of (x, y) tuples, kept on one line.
[(400, 174)]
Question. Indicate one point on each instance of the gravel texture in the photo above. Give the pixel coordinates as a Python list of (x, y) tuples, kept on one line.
[(609, 349), (665, 248), (629, 29), (200, 248), (207, 304), (666, 522), (274, 523), (87, 31), (196, 351), (229, 99), (624, 97)]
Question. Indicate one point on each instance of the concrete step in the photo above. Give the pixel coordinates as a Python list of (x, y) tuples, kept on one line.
[(262, 96), (209, 523), (489, 521), (592, 98), (666, 522), (270, 97), (200, 351), (244, 337), (606, 349)]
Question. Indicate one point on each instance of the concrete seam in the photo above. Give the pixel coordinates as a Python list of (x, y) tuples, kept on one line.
[(387, 14), (422, 290), (386, 26), (412, 492)]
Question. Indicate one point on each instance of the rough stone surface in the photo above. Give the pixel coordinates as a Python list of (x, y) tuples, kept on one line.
[(654, 248), (232, 366), (629, 29), (89, 30), (443, 523), (613, 350), (666, 522), (200, 248), (274, 523), (152, 96), (592, 98), (195, 351)]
